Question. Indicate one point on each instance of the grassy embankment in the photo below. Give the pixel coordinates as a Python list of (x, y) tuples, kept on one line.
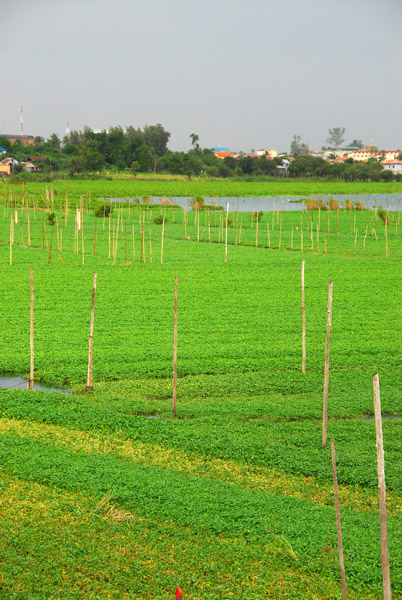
[(234, 497)]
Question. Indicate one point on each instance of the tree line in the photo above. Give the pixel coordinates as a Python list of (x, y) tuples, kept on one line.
[(146, 150)]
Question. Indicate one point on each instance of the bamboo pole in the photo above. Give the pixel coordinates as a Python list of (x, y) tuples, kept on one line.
[(82, 243), (29, 230), (301, 233), (337, 217), (226, 232), (304, 321), (326, 375), (386, 579), (116, 239), (318, 239), (241, 227), (386, 238), (338, 521), (96, 221), (280, 232), (109, 217), (89, 387), (143, 244), (256, 231), (163, 235), (268, 236), (209, 229), (125, 239), (31, 340), (11, 237), (198, 223), (150, 247), (133, 244), (175, 348), (51, 242)]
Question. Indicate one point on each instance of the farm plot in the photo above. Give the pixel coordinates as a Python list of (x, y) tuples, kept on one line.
[(234, 497)]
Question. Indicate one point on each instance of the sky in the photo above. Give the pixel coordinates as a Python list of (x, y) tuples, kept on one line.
[(243, 75)]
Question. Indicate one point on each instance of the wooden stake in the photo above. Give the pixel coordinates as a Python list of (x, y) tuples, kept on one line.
[(163, 235), (11, 237), (133, 244), (116, 240), (326, 375), (337, 217), (51, 242), (150, 247), (256, 231), (318, 239), (96, 220), (280, 232), (268, 236), (175, 348), (386, 580), (143, 245), (386, 238), (241, 226), (109, 217), (31, 372), (226, 234), (89, 387), (29, 230), (82, 243), (338, 521), (304, 322)]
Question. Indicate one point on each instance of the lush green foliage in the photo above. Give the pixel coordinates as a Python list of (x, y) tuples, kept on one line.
[(234, 497)]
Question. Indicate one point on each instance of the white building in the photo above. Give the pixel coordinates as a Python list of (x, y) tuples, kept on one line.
[(269, 151), (392, 165)]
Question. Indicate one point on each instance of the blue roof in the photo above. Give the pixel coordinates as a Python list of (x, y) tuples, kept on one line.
[(2, 149), (220, 149)]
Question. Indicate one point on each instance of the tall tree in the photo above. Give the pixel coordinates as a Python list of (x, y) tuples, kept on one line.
[(156, 137), (194, 140), (335, 136), (297, 147)]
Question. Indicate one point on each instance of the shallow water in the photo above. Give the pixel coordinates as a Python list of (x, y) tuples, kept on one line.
[(392, 202), (17, 382)]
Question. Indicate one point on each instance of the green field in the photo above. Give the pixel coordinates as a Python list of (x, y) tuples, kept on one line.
[(106, 495)]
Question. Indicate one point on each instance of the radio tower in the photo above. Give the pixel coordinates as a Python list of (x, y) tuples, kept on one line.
[(21, 119), (67, 131)]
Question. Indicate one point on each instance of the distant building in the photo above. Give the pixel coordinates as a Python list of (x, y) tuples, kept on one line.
[(4, 170), (28, 167), (268, 151), (225, 153), (25, 140), (392, 165)]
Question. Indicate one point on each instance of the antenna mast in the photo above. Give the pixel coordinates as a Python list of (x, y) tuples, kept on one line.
[(67, 131), (21, 119)]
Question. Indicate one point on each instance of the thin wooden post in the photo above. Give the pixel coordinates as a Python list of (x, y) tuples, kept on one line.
[(163, 235), (125, 239), (326, 375), (256, 230), (386, 579), (11, 237), (386, 238), (291, 238), (301, 233), (337, 217), (96, 221), (268, 236), (338, 521), (109, 217), (150, 247), (304, 321), (133, 244), (51, 242), (240, 230), (31, 372), (143, 245), (82, 243), (29, 230), (280, 232), (175, 348), (226, 234), (89, 387)]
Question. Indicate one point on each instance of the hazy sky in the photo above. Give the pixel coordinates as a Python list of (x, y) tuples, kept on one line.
[(239, 74)]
